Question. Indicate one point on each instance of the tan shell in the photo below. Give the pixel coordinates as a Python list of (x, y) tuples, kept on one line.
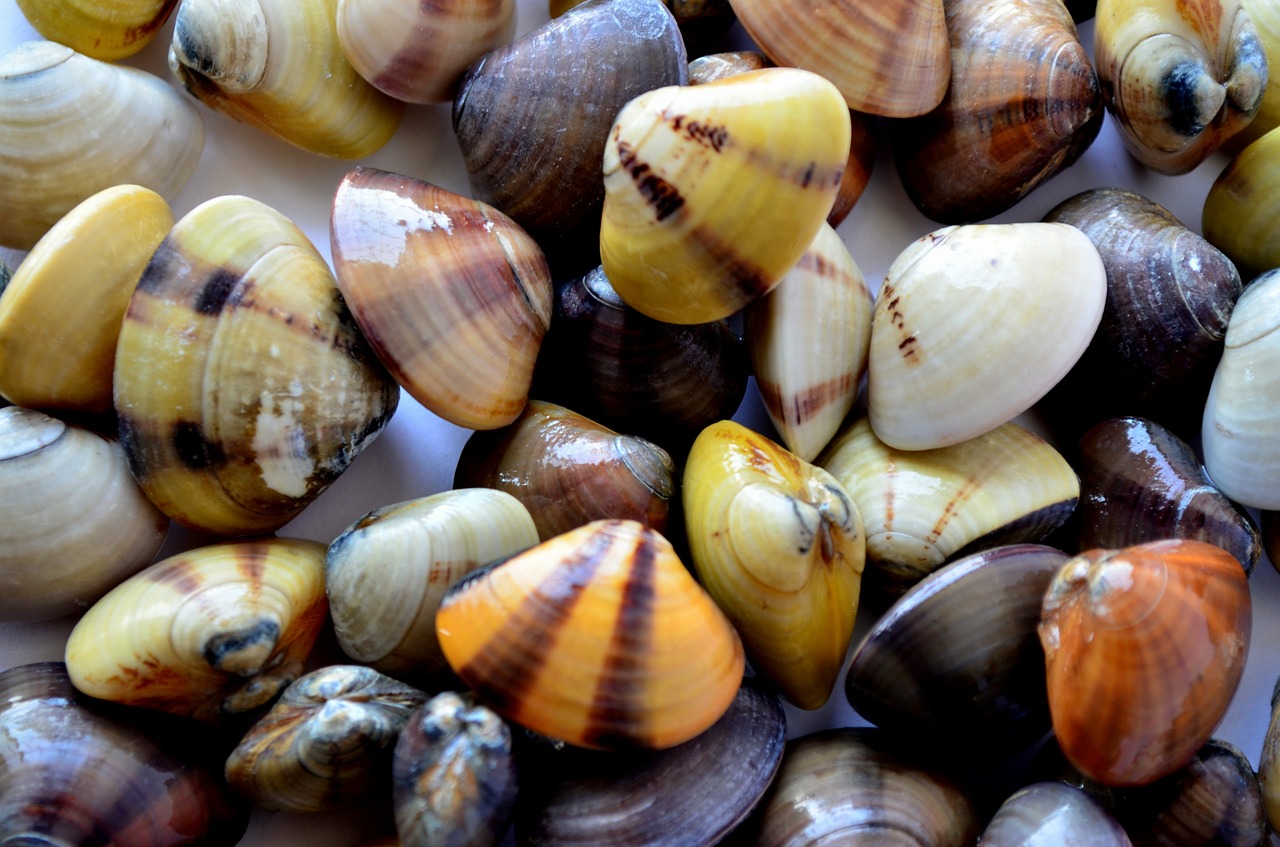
[(103, 30)]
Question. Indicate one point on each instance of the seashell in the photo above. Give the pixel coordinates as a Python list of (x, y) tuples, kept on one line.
[(923, 508), (61, 317), (533, 117), (327, 743), (642, 656), (242, 385), (1265, 16), (568, 470), (778, 544), (1140, 482), (107, 31), (277, 65), (808, 340), (1022, 106), (453, 775), (714, 66), (678, 154), (1047, 814), (71, 126), (418, 52), (386, 575), (887, 59), (75, 523), (216, 631), (1180, 78), (1144, 648), (1269, 763), (940, 371), (1232, 217), (1271, 536), (453, 296), (698, 20), (704, 787), (955, 663), (73, 773), (660, 381)]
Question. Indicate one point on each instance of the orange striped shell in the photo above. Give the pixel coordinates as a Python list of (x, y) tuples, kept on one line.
[(599, 637)]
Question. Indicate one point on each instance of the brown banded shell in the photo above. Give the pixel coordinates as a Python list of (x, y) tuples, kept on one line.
[(242, 385), (214, 632), (107, 31), (641, 656), (1048, 814), (453, 296), (568, 470)]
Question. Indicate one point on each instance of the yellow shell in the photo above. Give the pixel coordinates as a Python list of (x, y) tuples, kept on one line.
[(713, 192), (103, 29), (1265, 15), (214, 631), (1237, 216), (779, 545)]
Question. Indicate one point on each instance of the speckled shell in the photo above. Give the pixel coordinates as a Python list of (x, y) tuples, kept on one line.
[(1049, 814), (778, 544), (387, 573), (1144, 648), (453, 296), (642, 656), (109, 31), (74, 522), (693, 230), (1180, 76), (1234, 215), (213, 632), (973, 324), (326, 744), (568, 470), (242, 385)]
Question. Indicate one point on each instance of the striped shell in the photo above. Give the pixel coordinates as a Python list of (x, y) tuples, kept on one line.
[(103, 30), (598, 637)]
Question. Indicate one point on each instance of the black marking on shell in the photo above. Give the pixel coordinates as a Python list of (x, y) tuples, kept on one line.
[(662, 195), (218, 648), (216, 291), (193, 449), (1180, 87)]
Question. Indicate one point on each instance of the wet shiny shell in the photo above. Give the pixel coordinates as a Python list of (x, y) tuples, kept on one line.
[(1048, 814), (215, 631), (453, 296), (778, 544), (242, 385), (109, 31), (599, 637), (1176, 617), (1233, 217)]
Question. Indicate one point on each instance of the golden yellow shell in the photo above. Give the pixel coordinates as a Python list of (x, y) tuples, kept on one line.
[(1236, 216), (103, 29)]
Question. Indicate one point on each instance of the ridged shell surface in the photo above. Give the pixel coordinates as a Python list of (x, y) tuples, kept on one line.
[(973, 324), (1235, 216), (1269, 763), (713, 192), (599, 637), (242, 384), (453, 296), (213, 632), (1048, 814), (108, 30)]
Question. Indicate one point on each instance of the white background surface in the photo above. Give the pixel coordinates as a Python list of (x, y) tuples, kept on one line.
[(416, 454)]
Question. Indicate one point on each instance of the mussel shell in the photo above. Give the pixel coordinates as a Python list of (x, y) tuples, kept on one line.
[(1047, 814)]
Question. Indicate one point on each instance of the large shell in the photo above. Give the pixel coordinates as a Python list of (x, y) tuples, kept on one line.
[(1023, 104), (778, 544), (1180, 76), (941, 369), (453, 296), (695, 224), (219, 630), (107, 31), (242, 385), (1048, 814), (326, 744), (886, 58), (921, 508), (598, 637), (71, 126), (387, 573), (277, 65), (699, 20), (74, 522), (1144, 647), (1235, 217), (568, 470), (1266, 20)]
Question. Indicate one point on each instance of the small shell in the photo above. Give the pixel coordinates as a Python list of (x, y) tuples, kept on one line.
[(216, 631), (1049, 814), (1233, 216), (107, 31), (642, 656)]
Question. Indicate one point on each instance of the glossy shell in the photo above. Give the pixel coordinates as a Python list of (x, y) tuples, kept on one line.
[(453, 296), (642, 658), (1047, 814), (242, 385), (1177, 616), (216, 631), (1266, 20), (108, 31), (1231, 217)]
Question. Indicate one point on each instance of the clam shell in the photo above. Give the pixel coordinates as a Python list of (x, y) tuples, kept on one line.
[(1144, 648), (1047, 814), (453, 296), (215, 631), (1234, 219), (1266, 20), (74, 522), (242, 385), (940, 370), (598, 637), (1269, 763), (692, 229), (778, 544), (107, 31), (699, 20), (71, 126)]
